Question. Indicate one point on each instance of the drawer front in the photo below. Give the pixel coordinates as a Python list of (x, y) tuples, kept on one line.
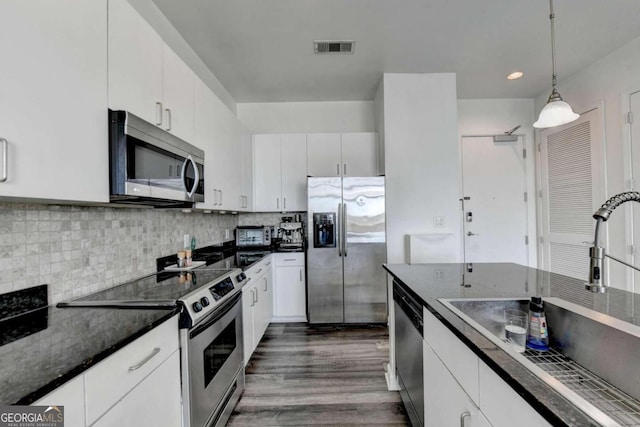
[(289, 259), (457, 357), (113, 377)]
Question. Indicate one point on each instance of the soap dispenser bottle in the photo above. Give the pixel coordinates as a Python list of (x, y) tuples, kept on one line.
[(538, 336)]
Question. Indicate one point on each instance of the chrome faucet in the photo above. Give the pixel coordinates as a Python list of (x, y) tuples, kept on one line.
[(597, 253)]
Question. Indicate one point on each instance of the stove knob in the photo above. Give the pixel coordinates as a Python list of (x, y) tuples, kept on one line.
[(240, 277), (197, 307), (204, 301)]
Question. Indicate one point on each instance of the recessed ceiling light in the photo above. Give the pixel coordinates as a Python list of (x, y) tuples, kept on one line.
[(515, 75)]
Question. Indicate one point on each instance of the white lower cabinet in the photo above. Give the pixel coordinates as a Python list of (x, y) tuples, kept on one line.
[(138, 385), (445, 401), (290, 300), (501, 405), (257, 305), (153, 402), (71, 396), (459, 389)]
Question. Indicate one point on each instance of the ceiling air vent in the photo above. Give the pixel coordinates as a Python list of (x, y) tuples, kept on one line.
[(333, 46)]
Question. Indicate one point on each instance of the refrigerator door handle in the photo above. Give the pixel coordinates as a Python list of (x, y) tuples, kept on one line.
[(344, 229), (339, 230)]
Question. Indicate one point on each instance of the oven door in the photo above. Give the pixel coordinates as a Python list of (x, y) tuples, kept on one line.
[(214, 358)]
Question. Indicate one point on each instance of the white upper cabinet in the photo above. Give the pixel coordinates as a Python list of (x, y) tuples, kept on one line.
[(280, 173), (360, 154), (324, 154), (53, 115), (145, 76), (246, 157), (218, 132), (293, 152), (177, 95), (347, 154), (267, 175)]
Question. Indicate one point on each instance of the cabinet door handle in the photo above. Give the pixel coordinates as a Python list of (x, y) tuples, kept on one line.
[(221, 199), (300, 275), (289, 259), (338, 169), (215, 197), (254, 297), (168, 110), (5, 159), (145, 360), (284, 203), (258, 272), (268, 264), (345, 169), (265, 284), (257, 295), (463, 416), (159, 113), (277, 202)]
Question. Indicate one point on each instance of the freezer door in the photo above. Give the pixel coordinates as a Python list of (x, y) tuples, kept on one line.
[(364, 250), (324, 261)]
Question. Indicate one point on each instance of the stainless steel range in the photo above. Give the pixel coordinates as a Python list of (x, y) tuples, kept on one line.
[(210, 333)]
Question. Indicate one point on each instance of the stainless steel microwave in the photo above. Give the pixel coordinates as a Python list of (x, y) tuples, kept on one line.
[(149, 166)]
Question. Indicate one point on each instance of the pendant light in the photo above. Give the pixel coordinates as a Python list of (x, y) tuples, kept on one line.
[(556, 112)]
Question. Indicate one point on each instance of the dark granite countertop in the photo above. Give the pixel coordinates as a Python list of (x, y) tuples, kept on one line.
[(429, 282), (46, 347)]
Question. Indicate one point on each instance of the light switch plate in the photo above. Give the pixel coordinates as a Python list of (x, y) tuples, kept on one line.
[(438, 222)]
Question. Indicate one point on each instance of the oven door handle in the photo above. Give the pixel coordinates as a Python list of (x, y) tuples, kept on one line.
[(217, 315)]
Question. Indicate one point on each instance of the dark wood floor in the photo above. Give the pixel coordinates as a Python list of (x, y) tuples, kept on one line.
[(319, 375)]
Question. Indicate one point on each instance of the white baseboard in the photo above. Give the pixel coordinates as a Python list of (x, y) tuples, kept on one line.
[(288, 319), (392, 380)]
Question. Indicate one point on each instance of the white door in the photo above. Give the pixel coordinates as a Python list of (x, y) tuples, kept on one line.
[(495, 205), (572, 180)]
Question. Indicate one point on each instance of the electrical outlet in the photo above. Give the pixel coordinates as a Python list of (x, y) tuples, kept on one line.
[(438, 222), (438, 275), (226, 234), (187, 242)]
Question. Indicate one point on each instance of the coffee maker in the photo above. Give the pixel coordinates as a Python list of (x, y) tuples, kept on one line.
[(292, 236)]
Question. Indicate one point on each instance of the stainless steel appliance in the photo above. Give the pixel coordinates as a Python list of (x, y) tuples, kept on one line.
[(253, 236), (149, 166), (211, 341), (346, 282), (409, 363), (292, 236)]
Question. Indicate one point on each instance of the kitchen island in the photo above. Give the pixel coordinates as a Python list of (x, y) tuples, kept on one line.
[(428, 283)]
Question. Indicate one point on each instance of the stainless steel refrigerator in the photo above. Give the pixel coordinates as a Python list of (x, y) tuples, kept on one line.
[(347, 247)]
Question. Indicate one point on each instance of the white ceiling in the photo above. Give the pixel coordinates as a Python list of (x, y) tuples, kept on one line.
[(262, 50)]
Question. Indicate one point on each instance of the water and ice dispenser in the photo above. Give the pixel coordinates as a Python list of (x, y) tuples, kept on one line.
[(324, 230)]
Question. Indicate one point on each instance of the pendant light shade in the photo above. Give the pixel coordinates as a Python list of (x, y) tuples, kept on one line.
[(556, 112)]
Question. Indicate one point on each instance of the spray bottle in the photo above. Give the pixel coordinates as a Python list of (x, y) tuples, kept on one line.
[(538, 336)]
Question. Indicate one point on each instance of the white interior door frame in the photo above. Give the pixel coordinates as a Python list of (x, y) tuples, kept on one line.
[(630, 133), (530, 229), (599, 182)]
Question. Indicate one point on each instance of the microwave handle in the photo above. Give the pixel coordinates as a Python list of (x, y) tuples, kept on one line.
[(196, 180)]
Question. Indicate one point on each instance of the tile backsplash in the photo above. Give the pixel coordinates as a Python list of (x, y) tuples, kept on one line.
[(79, 250)]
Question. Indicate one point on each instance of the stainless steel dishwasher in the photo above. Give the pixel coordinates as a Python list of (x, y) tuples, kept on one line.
[(408, 329)]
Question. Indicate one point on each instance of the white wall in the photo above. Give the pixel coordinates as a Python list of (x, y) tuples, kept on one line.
[(422, 158), (152, 14), (480, 117), (608, 81), (307, 117)]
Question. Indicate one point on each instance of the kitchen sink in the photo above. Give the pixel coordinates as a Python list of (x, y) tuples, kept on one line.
[(592, 357)]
